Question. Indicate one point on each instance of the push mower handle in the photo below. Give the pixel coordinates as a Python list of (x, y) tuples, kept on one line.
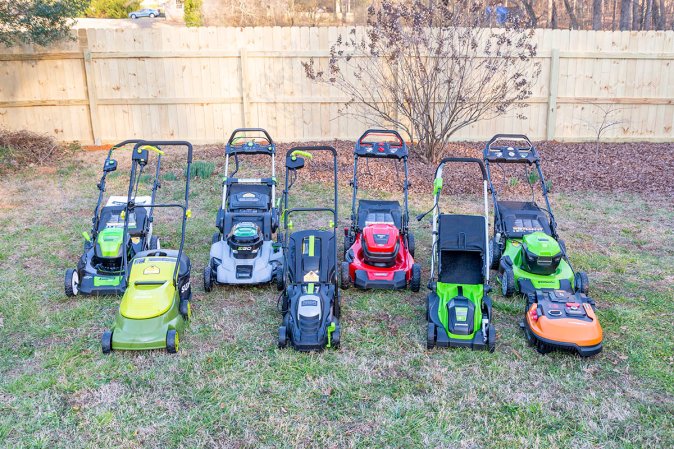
[(125, 143), (498, 137), (287, 213), (381, 131), (154, 143), (300, 150), (243, 130), (464, 160)]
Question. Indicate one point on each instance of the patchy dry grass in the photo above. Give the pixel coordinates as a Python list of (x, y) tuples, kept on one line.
[(231, 387)]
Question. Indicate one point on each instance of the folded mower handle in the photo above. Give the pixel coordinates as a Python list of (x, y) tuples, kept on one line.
[(243, 130), (464, 160), (154, 143), (287, 213), (498, 137)]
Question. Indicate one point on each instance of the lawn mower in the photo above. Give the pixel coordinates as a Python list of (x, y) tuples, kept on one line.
[(531, 260), (100, 269), (155, 308), (310, 300), (242, 250), (378, 246), (458, 309)]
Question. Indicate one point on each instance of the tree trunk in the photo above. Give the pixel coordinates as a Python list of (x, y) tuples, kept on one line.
[(662, 23), (648, 14), (625, 15), (553, 17), (615, 4), (531, 12), (636, 13), (596, 14), (572, 16)]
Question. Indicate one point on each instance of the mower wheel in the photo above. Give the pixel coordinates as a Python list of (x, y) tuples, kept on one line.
[(410, 244), (335, 339), (72, 282), (154, 243), (172, 341), (430, 336), (282, 337), (428, 308), (507, 282), (581, 282), (216, 238), (491, 338), (106, 342), (495, 254), (208, 279), (415, 282), (346, 277), (337, 309), (348, 242), (280, 280)]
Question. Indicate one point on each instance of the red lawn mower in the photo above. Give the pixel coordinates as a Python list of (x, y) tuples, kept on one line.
[(378, 247)]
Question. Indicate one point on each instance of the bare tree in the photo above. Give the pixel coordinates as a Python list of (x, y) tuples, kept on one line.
[(529, 7), (430, 81), (573, 21), (625, 14), (596, 14), (605, 121)]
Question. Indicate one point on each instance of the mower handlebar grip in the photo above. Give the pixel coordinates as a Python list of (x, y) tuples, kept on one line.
[(312, 148), (125, 143), (510, 136), (467, 160), (242, 130), (381, 131), (182, 143)]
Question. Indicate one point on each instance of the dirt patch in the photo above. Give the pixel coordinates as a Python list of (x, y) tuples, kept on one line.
[(615, 167)]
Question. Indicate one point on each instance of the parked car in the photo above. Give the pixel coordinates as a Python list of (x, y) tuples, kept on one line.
[(147, 12)]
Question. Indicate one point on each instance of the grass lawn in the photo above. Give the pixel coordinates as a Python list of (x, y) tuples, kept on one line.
[(229, 386)]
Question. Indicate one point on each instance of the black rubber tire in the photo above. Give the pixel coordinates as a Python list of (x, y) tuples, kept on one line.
[(345, 276), (495, 254), (491, 338), (215, 238), (581, 282), (415, 281), (154, 242), (133, 16), (282, 337), (348, 242), (208, 279), (507, 282), (106, 342), (280, 280), (71, 282), (410, 243), (171, 345), (335, 339), (430, 336), (428, 308), (531, 339), (184, 309), (152, 16)]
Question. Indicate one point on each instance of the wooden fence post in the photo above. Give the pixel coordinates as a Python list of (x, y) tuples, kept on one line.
[(245, 101), (552, 94), (91, 87)]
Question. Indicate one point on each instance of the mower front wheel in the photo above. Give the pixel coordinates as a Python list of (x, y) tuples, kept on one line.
[(495, 254), (335, 338), (415, 282), (106, 342), (72, 282), (491, 338), (508, 282), (348, 242), (410, 244), (208, 279), (346, 277), (581, 282), (280, 280), (185, 309), (430, 336), (172, 341)]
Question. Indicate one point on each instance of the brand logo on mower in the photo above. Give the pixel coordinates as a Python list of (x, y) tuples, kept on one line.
[(185, 287), (151, 270)]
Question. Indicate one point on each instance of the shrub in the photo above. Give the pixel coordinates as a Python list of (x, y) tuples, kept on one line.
[(21, 148), (111, 9), (193, 17), (202, 169)]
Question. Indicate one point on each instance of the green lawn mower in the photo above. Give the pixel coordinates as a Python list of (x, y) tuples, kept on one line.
[(458, 309), (310, 301), (155, 308), (100, 269), (531, 260)]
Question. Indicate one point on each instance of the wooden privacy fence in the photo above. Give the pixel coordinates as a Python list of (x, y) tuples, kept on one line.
[(198, 84)]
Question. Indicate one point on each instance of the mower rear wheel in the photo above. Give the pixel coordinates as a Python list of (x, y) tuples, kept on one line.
[(72, 282), (215, 238), (507, 282), (336, 337), (208, 279), (172, 341), (345, 276), (184, 309), (495, 254), (430, 336), (415, 282), (410, 244), (106, 342), (154, 243), (348, 242), (581, 282), (491, 338), (280, 280), (282, 337)]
